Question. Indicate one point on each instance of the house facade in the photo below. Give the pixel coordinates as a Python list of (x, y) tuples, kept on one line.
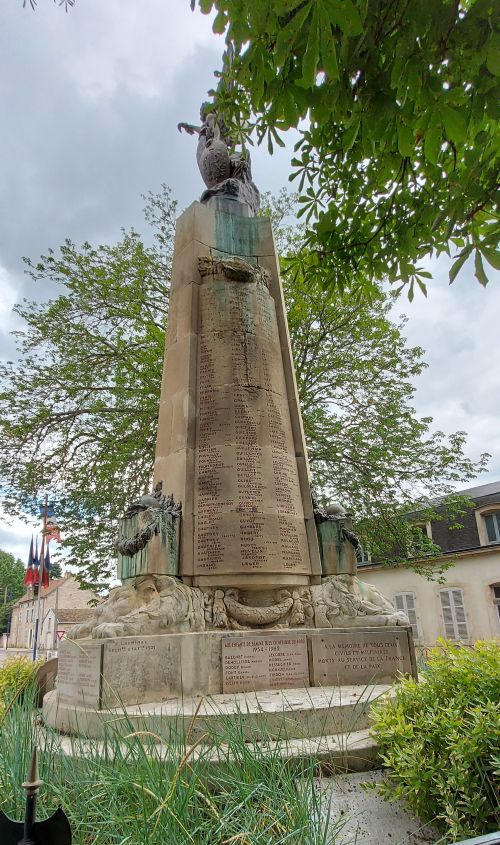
[(57, 601), (466, 606)]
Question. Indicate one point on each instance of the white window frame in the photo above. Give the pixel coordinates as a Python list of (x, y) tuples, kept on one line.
[(408, 604), (492, 509), (453, 614)]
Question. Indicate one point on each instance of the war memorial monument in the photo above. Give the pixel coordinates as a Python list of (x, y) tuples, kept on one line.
[(237, 588)]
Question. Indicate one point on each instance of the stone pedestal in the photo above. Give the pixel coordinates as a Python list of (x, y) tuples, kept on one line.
[(142, 670)]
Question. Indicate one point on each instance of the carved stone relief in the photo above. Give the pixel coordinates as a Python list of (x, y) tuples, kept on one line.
[(163, 604)]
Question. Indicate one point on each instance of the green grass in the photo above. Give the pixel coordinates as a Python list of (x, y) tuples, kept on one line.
[(131, 789)]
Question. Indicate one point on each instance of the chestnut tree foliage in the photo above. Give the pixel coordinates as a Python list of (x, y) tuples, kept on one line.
[(79, 407), (397, 106)]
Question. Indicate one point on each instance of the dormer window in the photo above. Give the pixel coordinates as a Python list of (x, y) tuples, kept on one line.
[(488, 523), (492, 525)]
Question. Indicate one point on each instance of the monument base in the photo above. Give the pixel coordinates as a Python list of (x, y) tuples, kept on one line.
[(306, 713), (103, 674)]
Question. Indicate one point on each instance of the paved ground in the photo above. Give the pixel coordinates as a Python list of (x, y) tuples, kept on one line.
[(368, 819)]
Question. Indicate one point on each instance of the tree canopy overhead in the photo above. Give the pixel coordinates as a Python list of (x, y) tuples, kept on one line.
[(79, 409), (397, 104)]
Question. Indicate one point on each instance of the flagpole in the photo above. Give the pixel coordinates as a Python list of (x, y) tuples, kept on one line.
[(40, 579), (56, 612)]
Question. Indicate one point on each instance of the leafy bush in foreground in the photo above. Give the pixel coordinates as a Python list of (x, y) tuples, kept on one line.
[(16, 674), (440, 739)]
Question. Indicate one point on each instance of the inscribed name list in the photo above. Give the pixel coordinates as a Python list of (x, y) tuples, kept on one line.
[(248, 504), (341, 657), (79, 674), (258, 663)]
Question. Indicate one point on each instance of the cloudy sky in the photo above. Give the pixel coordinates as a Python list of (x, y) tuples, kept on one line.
[(89, 104)]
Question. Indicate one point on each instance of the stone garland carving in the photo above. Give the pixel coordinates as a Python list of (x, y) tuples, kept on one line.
[(158, 504), (234, 269), (224, 171), (155, 604)]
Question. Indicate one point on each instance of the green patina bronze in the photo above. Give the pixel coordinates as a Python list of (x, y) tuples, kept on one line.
[(160, 555), (335, 553), (235, 235)]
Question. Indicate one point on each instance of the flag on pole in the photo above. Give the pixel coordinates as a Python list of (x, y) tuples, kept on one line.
[(36, 564), (29, 578), (52, 531), (46, 569)]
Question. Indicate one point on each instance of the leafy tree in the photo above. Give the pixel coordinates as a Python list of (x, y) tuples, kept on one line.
[(397, 105), (11, 585), (80, 407), (55, 570)]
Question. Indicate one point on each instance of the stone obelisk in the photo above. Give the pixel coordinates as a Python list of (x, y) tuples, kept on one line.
[(233, 577), (230, 442)]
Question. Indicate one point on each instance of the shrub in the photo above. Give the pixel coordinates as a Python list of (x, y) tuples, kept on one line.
[(440, 739), (16, 674)]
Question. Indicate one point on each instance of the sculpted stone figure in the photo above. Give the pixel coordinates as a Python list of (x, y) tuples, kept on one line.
[(224, 171), (344, 601), (152, 604)]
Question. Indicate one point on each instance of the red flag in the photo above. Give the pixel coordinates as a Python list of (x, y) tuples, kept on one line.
[(29, 578)]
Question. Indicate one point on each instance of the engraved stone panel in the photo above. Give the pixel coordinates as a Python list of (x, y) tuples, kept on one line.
[(79, 674), (257, 663), (139, 669), (359, 656), (249, 513)]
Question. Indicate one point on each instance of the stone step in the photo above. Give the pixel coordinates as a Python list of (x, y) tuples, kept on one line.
[(279, 715), (354, 752)]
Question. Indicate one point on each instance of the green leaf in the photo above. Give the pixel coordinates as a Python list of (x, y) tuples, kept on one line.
[(311, 54), (432, 142), (492, 256), (206, 6), (344, 14), (479, 270), (327, 46), (493, 59), (220, 23), (454, 124), (459, 263), (406, 141)]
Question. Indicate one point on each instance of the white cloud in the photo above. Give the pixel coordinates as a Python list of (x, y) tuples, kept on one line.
[(457, 326), (7, 301)]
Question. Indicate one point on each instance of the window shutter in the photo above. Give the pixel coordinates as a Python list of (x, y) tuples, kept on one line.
[(449, 627), (455, 621), (406, 603), (458, 602)]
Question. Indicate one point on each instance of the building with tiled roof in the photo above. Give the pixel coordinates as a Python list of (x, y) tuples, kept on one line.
[(62, 598), (466, 606)]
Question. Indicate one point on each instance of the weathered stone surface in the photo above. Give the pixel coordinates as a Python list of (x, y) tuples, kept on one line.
[(332, 716), (142, 669), (79, 674), (258, 663), (149, 604), (343, 601), (360, 656)]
